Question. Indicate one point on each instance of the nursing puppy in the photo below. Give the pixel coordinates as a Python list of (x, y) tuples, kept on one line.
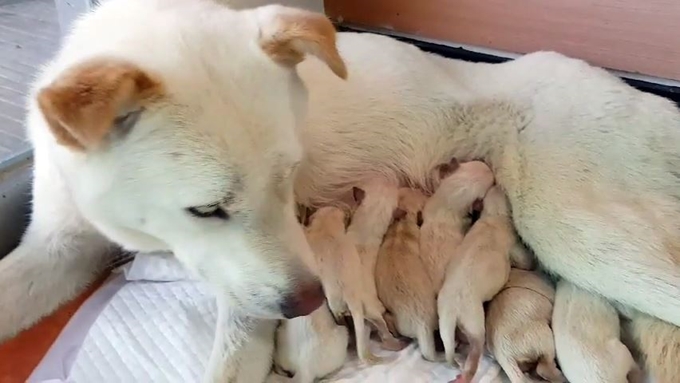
[(445, 216), (588, 338), (374, 204), (311, 347), (518, 329), (403, 284), (336, 262), (657, 343), (474, 275)]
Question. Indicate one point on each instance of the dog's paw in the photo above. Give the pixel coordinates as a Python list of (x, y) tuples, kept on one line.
[(395, 344)]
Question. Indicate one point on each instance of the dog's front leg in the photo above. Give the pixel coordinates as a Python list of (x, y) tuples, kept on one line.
[(58, 256), (243, 347)]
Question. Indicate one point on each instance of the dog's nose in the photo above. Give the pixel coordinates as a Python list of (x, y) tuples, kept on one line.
[(303, 301)]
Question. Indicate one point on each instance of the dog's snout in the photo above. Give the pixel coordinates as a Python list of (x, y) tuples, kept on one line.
[(304, 300)]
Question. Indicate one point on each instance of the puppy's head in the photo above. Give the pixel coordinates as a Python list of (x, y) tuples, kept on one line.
[(495, 202), (176, 128), (462, 187)]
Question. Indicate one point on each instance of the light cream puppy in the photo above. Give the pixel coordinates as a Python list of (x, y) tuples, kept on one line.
[(518, 329), (311, 347), (374, 203), (337, 264), (445, 216), (474, 275), (401, 279), (588, 338)]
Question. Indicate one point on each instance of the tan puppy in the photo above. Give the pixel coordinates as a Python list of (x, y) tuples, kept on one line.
[(588, 338), (658, 344), (311, 347), (338, 266), (477, 272), (518, 327), (445, 216), (375, 203), (403, 284)]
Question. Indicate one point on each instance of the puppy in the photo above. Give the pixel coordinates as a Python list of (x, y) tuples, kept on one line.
[(656, 342), (336, 262), (402, 282), (478, 271), (445, 216), (374, 204), (518, 327), (588, 338), (311, 347)]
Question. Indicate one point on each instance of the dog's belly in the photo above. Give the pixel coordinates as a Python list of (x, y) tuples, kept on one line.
[(590, 165)]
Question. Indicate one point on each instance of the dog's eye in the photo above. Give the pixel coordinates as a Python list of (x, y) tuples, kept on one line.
[(209, 211)]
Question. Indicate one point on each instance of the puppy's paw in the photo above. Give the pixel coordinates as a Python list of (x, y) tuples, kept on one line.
[(394, 344)]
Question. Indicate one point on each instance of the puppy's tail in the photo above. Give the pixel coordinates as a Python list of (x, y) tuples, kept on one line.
[(547, 369), (658, 343)]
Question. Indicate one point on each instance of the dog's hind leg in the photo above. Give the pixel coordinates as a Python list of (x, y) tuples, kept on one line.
[(59, 255), (387, 339), (363, 335)]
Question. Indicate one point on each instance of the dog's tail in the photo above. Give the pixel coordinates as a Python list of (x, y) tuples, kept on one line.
[(658, 343), (472, 324), (363, 335), (547, 369)]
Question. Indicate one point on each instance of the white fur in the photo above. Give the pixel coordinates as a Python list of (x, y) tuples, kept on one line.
[(311, 347), (243, 350), (588, 338), (589, 163)]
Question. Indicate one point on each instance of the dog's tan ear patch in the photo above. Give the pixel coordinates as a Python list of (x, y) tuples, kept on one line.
[(289, 34), (84, 103)]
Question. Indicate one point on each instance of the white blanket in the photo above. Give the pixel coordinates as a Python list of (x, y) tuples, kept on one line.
[(151, 322)]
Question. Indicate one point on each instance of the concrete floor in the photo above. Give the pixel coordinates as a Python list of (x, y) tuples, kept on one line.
[(29, 34)]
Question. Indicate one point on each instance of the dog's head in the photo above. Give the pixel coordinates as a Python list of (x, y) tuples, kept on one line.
[(176, 127)]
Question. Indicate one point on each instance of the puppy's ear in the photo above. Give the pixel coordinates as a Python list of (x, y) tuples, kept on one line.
[(445, 170), (95, 99), (287, 35), (454, 163), (398, 214), (359, 194), (478, 205)]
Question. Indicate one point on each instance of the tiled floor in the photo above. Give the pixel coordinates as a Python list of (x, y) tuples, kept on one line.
[(29, 34)]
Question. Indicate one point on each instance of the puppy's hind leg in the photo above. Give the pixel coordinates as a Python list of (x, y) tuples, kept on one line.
[(547, 370), (473, 325), (59, 255), (387, 339), (659, 344), (426, 342), (363, 336), (448, 322), (511, 369)]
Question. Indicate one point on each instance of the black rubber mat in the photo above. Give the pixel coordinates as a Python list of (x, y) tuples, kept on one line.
[(29, 34)]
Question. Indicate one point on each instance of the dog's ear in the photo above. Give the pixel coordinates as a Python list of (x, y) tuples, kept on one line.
[(287, 35), (398, 214), (92, 100), (359, 194)]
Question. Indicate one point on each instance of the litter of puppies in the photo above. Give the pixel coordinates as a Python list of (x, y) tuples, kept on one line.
[(413, 267)]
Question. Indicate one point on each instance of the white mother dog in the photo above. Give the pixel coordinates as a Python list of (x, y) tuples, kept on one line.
[(180, 124)]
